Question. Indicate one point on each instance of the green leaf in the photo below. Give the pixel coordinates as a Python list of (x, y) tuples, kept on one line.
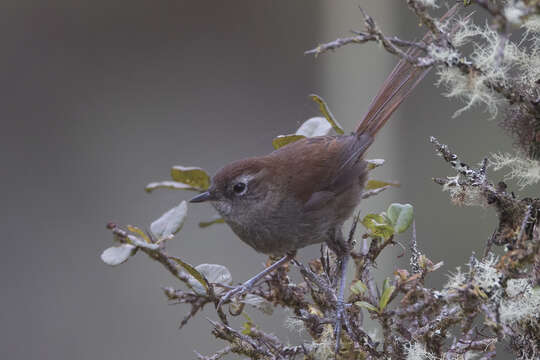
[(376, 184), (116, 255), (325, 110), (366, 305), (358, 287), (378, 225), (385, 297), (215, 274), (401, 216), (316, 126), (215, 220), (192, 176), (248, 325), (174, 185), (283, 140), (373, 163), (195, 285), (169, 223)]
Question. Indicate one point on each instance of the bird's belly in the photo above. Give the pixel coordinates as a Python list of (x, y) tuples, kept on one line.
[(291, 236)]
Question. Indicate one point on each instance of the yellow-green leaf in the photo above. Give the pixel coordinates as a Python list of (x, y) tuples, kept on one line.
[(358, 287), (248, 325), (378, 225), (168, 185), (139, 232), (325, 110), (366, 305), (373, 163), (191, 271), (385, 297), (192, 176), (214, 220), (376, 184), (283, 140)]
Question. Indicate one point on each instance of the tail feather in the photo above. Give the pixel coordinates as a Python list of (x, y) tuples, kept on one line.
[(399, 84)]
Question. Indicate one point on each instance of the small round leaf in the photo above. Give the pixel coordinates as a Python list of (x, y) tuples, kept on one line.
[(116, 255), (169, 223), (401, 216), (214, 273), (316, 126)]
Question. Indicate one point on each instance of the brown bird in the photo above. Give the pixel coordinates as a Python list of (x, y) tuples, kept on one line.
[(302, 193)]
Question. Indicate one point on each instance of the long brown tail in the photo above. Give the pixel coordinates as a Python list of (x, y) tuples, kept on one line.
[(399, 84)]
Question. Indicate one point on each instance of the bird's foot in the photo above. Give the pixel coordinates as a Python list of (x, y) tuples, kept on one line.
[(238, 290), (340, 320)]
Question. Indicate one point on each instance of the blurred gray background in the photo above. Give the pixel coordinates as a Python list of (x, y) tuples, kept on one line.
[(100, 98)]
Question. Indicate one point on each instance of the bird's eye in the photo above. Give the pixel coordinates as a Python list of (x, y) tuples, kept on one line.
[(239, 188)]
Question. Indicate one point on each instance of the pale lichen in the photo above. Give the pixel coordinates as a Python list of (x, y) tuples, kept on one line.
[(522, 303), (418, 351), (525, 171)]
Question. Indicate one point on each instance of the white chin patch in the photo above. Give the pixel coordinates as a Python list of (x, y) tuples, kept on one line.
[(222, 207)]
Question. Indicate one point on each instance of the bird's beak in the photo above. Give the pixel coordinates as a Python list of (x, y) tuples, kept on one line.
[(202, 197)]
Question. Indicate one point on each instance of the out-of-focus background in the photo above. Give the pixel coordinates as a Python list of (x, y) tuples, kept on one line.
[(99, 98)]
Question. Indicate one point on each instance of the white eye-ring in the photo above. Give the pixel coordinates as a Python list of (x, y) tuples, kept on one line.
[(240, 188)]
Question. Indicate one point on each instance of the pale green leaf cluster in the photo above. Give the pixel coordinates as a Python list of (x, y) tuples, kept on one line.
[(396, 219)]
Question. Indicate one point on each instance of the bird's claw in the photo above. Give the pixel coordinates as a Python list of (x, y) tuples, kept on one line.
[(340, 318), (238, 290)]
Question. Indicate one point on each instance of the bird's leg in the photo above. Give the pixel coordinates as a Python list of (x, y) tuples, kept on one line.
[(342, 250), (241, 289), (341, 316)]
